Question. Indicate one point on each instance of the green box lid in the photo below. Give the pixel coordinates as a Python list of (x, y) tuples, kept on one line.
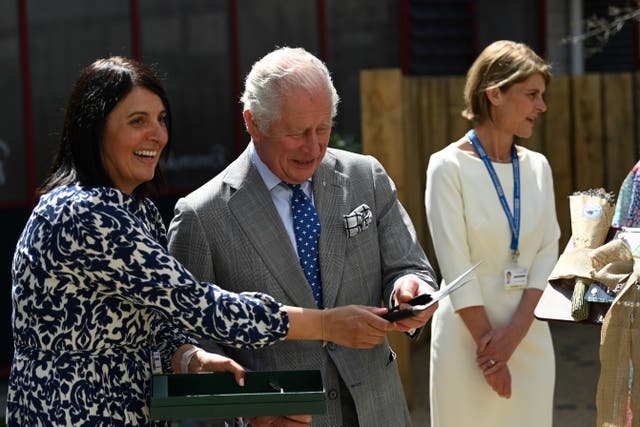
[(217, 395)]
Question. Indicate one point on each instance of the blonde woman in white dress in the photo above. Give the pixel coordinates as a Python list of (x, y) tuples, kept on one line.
[(492, 362)]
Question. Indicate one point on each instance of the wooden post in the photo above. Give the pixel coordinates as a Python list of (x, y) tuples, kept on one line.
[(383, 136)]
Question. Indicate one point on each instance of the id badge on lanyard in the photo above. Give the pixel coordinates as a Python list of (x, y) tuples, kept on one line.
[(515, 276)]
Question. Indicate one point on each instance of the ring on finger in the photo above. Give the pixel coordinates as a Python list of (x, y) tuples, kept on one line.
[(492, 362)]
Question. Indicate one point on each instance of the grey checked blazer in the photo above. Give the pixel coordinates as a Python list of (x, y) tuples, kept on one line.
[(228, 232)]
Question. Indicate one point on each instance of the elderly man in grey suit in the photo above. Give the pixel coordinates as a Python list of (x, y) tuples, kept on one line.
[(245, 230)]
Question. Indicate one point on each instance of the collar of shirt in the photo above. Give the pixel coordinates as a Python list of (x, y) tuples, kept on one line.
[(272, 181), (280, 193)]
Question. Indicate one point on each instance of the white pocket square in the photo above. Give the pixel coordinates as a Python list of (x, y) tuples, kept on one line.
[(358, 220)]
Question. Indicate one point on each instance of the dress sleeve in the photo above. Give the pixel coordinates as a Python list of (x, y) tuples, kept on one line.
[(445, 216), (547, 255), (168, 339), (113, 248), (621, 212), (627, 212)]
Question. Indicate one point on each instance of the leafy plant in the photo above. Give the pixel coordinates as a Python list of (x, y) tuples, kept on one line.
[(597, 30), (346, 142)]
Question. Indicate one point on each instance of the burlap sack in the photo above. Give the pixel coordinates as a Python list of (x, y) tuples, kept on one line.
[(612, 263), (620, 337)]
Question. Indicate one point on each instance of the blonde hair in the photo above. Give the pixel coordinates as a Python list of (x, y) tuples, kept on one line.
[(500, 65)]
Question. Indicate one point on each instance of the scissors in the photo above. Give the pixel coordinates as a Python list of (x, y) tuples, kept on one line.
[(424, 301)]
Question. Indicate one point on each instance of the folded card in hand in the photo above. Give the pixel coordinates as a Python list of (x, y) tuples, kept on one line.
[(424, 301)]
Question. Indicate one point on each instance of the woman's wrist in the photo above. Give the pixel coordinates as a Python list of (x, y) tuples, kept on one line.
[(186, 358)]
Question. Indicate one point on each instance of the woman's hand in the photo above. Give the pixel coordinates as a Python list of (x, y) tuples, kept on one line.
[(203, 361), (497, 344), (494, 350), (498, 376), (355, 326)]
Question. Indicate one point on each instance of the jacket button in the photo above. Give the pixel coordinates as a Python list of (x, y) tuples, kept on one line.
[(333, 394), (331, 346)]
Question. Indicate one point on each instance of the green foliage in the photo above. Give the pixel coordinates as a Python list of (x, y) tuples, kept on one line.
[(346, 142)]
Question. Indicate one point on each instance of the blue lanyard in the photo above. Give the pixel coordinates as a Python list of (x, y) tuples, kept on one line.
[(514, 220)]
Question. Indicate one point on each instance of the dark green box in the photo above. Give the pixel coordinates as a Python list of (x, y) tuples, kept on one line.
[(216, 395)]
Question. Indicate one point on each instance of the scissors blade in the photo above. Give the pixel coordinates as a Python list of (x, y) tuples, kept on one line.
[(395, 313), (457, 282)]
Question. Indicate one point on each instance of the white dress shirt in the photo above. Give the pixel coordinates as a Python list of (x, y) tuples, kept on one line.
[(280, 193)]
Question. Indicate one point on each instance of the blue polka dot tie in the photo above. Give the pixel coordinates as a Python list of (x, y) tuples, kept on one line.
[(306, 227)]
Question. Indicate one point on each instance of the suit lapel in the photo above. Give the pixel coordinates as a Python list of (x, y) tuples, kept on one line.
[(252, 206), (329, 192)]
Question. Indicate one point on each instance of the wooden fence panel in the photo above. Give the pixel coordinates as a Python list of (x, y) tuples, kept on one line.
[(413, 94), (619, 145), (442, 124), (589, 135), (556, 136), (383, 136), (436, 120), (382, 120), (587, 129), (436, 130), (458, 125)]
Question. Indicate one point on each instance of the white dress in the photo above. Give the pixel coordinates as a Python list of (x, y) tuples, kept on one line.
[(468, 225)]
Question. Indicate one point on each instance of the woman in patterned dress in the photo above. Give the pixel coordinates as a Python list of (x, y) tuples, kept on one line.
[(95, 293)]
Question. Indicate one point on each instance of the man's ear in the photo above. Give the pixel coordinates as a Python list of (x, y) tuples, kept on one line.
[(251, 126), (494, 96)]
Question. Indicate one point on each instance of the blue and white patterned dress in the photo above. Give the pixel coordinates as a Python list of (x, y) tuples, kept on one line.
[(627, 213), (94, 290)]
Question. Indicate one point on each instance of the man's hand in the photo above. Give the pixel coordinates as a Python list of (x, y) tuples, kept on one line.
[(288, 421), (406, 288)]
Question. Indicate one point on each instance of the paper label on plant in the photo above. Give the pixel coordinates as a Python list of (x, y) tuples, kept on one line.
[(592, 211)]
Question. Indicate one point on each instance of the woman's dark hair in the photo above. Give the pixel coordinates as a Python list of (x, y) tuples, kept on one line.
[(98, 90)]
